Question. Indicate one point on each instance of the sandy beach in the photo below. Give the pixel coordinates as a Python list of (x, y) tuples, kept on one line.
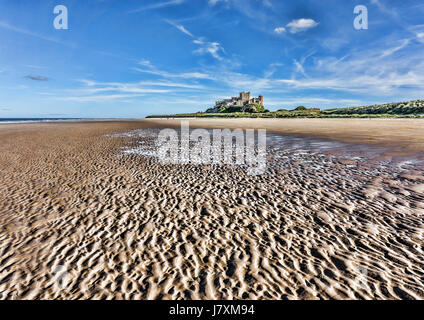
[(80, 219)]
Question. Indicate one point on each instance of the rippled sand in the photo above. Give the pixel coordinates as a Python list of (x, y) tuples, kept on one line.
[(82, 218)]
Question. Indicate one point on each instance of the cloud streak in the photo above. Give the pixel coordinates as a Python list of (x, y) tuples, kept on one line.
[(157, 5), (391, 51), (8, 26), (180, 27), (99, 98), (205, 47), (151, 69)]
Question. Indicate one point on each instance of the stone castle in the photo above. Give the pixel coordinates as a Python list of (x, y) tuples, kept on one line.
[(242, 100)]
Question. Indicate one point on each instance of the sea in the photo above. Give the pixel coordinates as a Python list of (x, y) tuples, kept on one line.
[(26, 120)]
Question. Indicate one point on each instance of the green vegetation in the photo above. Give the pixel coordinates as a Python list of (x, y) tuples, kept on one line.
[(411, 109), (400, 108), (250, 108)]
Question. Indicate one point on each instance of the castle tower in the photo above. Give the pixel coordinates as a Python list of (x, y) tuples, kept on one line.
[(244, 96), (261, 101)]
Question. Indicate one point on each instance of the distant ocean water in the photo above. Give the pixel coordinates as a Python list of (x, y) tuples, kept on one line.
[(25, 120)]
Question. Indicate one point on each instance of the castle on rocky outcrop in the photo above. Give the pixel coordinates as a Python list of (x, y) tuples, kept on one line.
[(242, 100)]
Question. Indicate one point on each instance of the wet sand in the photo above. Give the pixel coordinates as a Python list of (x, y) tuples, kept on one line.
[(81, 220), (407, 134)]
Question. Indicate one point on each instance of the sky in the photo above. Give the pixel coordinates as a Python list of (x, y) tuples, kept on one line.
[(138, 57)]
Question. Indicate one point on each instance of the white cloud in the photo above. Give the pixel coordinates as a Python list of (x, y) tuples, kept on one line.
[(272, 68), (300, 25), (383, 84), (213, 48), (369, 84), (372, 70), (206, 47), (280, 30), (214, 2), (145, 63), (180, 27), (420, 37), (267, 3), (299, 67)]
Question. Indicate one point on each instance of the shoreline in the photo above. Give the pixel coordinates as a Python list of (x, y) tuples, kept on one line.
[(402, 134)]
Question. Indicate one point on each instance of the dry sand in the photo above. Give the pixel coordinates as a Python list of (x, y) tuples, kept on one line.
[(127, 227)]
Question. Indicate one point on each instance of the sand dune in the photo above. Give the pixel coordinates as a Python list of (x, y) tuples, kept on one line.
[(80, 221)]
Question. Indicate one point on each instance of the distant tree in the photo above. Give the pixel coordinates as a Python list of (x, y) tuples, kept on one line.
[(300, 108)]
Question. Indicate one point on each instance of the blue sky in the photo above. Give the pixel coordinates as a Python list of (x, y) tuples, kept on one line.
[(140, 57)]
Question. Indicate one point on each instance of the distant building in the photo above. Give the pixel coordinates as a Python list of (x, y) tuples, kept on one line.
[(242, 100), (314, 109)]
